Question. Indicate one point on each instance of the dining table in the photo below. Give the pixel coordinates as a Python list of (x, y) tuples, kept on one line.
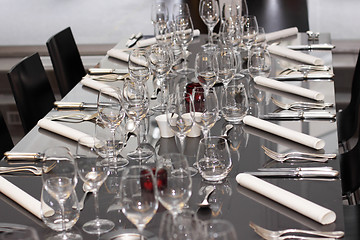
[(230, 200)]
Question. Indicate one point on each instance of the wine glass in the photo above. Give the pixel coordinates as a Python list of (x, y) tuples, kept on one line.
[(174, 182), (219, 229), (259, 63), (159, 12), (138, 195), (93, 173), (164, 33), (160, 59), (214, 159), (207, 111), (184, 33), (227, 64), (59, 180), (180, 114), (250, 30), (136, 105), (234, 103), (206, 69), (230, 32), (209, 12), (138, 65), (180, 9)]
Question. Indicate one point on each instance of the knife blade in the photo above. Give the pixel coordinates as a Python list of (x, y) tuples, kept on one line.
[(107, 71), (301, 76), (75, 105), (23, 156), (324, 46), (296, 169), (299, 115), (300, 173)]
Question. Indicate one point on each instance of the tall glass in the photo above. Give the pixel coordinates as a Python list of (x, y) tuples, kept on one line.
[(250, 30), (93, 173), (138, 66), (234, 103), (209, 12), (206, 69), (227, 64), (59, 180)]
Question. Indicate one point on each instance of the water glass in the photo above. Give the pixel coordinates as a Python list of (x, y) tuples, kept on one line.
[(259, 63), (138, 65), (234, 103), (219, 229), (206, 69), (213, 158)]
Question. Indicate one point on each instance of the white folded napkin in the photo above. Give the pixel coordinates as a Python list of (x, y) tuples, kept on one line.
[(89, 82), (64, 131), (151, 41), (286, 198), (296, 55), (124, 56), (21, 197), (284, 132), (281, 34), (271, 83)]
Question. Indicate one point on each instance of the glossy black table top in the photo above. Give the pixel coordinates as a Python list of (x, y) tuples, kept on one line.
[(230, 200)]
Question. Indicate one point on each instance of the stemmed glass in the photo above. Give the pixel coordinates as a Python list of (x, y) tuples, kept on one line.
[(93, 173), (209, 12), (206, 69), (250, 30), (230, 32), (138, 65), (138, 195), (219, 229), (160, 59), (227, 64), (180, 9), (59, 180), (207, 109), (159, 13), (180, 114), (136, 105), (175, 191), (110, 113), (184, 33)]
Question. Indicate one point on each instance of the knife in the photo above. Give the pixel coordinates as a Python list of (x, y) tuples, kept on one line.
[(296, 169), (324, 46), (107, 71), (75, 105), (299, 115), (302, 76), (23, 156), (296, 173)]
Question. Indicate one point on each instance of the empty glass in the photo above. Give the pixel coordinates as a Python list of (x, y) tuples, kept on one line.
[(213, 158), (159, 12), (206, 69), (138, 65), (209, 12), (234, 103), (219, 229), (259, 63), (227, 64), (250, 30)]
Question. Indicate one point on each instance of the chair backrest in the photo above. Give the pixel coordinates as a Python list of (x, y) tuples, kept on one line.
[(347, 119), (31, 89), (275, 15), (66, 60), (5, 137)]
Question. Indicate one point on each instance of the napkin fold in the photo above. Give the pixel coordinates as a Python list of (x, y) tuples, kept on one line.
[(285, 87), (21, 197), (284, 132), (151, 41), (64, 131), (286, 198), (281, 34), (125, 56), (295, 55), (89, 82)]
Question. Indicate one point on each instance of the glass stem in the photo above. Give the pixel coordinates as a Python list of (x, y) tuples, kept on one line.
[(62, 216), (113, 145), (184, 63), (210, 37), (162, 92), (96, 204), (138, 134)]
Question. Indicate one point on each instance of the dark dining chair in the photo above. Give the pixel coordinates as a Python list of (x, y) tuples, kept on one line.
[(275, 15), (32, 90), (348, 118), (5, 137), (66, 60)]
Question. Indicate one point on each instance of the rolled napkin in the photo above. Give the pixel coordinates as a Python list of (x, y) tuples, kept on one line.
[(296, 55), (281, 34), (124, 56), (151, 41), (63, 130), (89, 82), (271, 83), (284, 132), (21, 197), (286, 198)]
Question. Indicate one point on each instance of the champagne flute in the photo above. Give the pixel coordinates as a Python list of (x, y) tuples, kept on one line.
[(207, 111), (160, 60), (175, 191), (138, 195), (136, 105), (227, 64), (206, 69), (59, 180), (209, 12), (184, 33), (93, 173)]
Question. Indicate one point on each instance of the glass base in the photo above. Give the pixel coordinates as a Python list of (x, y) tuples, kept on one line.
[(120, 162), (140, 154), (159, 108), (185, 70), (210, 47), (65, 235), (98, 226)]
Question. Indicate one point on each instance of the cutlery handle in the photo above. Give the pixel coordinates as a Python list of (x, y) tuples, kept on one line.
[(22, 156), (68, 104), (328, 174), (100, 70), (332, 234)]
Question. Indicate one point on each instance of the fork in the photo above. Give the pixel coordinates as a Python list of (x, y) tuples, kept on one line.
[(35, 170), (76, 117), (300, 105), (282, 157), (109, 77), (268, 234), (305, 69)]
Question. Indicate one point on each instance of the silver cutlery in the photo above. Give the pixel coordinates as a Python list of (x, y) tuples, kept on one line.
[(208, 190), (298, 115), (76, 117), (30, 168), (321, 46), (109, 77), (300, 105), (86, 189), (75, 105), (23, 156), (295, 173), (304, 69), (107, 71), (289, 154), (268, 234)]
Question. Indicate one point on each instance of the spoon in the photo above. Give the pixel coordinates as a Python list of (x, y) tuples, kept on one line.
[(208, 191), (86, 189)]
